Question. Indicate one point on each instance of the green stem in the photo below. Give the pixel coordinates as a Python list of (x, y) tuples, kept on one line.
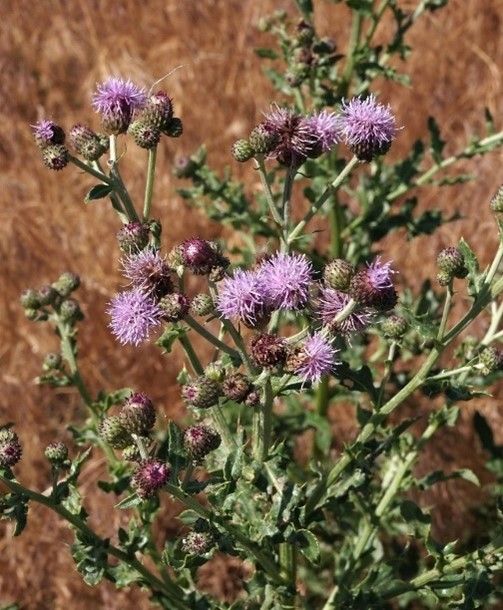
[(354, 40), (260, 166), (206, 334), (197, 367), (388, 366), (445, 313), (288, 571), (68, 352), (336, 222), (123, 193), (90, 170), (262, 429), (223, 428), (322, 397), (149, 185), (331, 188), (287, 199), (169, 589)]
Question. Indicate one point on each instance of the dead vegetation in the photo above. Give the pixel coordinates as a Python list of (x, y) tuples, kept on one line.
[(52, 54)]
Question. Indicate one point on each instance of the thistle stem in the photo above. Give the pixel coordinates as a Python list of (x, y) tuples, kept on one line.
[(149, 185)]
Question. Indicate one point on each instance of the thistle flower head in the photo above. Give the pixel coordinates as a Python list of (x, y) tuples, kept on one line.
[(316, 358), (133, 315), (373, 287), (199, 255), (46, 132), (243, 296), (149, 477), (118, 100), (133, 237), (148, 272), (137, 414), (199, 440), (268, 350), (10, 448), (332, 302), (324, 126), (294, 134), (368, 128), (286, 279)]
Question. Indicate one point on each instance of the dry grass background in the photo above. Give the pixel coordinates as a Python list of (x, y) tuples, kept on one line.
[(52, 53)]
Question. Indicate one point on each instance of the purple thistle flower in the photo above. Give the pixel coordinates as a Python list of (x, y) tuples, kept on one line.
[(149, 477), (316, 358), (332, 303), (324, 126), (118, 100), (368, 128), (286, 279), (134, 315), (294, 134), (47, 132), (243, 296), (148, 272), (372, 286)]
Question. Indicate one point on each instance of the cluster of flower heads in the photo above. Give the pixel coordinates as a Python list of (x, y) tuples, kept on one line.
[(153, 298), (346, 302), (367, 127), (123, 107)]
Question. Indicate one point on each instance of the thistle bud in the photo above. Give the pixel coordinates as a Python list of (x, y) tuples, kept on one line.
[(338, 274), (198, 543), (137, 414), (87, 143), (236, 387), (491, 359), (66, 283), (497, 201), (57, 453), (394, 327), (150, 476), (113, 432), (52, 361), (253, 399), (202, 392), (184, 167), (451, 262), (174, 306), (10, 448), (30, 299), (198, 255), (268, 350), (174, 129), (215, 371), (202, 305), (199, 440), (70, 312), (133, 237), (145, 135), (46, 295), (158, 110), (55, 156), (242, 151), (262, 140)]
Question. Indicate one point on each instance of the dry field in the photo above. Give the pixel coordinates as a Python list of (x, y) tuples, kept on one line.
[(52, 52)]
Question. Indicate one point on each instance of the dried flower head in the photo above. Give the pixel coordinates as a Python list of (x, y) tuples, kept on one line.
[(118, 100), (134, 314), (368, 128), (286, 279)]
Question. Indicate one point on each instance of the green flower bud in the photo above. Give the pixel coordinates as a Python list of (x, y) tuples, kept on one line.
[(46, 295), (66, 283), (451, 262), (57, 453), (338, 274), (491, 359), (87, 143), (10, 448), (137, 414), (70, 312), (497, 201), (175, 306), (198, 543), (55, 156), (394, 327), (202, 305), (242, 151), (236, 387), (144, 134), (30, 299), (262, 140), (113, 432), (52, 361), (201, 392), (199, 440)]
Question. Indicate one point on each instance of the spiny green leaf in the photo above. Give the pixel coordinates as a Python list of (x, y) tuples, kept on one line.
[(99, 191)]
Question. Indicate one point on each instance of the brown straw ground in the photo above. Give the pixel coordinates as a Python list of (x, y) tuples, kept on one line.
[(52, 54)]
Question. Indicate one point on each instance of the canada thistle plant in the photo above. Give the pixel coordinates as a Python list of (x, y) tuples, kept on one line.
[(293, 335)]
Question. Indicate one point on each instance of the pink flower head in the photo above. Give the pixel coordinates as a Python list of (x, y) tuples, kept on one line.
[(373, 286), (150, 476), (286, 279), (242, 296), (133, 315), (294, 134), (332, 303), (368, 128), (118, 100), (316, 358), (47, 132), (324, 127), (148, 272)]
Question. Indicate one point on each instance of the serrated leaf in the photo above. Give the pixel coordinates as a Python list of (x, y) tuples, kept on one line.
[(99, 191), (169, 336), (129, 501), (308, 544), (436, 142)]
